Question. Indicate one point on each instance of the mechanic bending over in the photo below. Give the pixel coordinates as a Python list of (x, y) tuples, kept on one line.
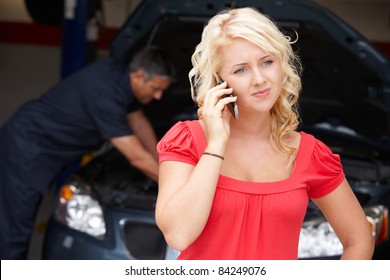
[(101, 102)]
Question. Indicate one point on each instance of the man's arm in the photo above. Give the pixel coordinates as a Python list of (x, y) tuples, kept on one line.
[(144, 131), (137, 155)]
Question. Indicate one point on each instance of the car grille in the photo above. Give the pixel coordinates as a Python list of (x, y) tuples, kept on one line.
[(144, 241)]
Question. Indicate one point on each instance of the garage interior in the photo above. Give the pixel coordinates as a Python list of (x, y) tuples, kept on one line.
[(31, 63)]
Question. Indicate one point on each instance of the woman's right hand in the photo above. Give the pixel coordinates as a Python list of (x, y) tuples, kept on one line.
[(215, 114)]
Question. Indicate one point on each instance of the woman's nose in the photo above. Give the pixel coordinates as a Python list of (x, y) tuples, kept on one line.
[(258, 77)]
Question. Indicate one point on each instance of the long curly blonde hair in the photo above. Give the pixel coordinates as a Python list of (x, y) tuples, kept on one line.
[(249, 24)]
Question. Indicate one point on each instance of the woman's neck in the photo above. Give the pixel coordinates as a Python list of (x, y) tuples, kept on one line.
[(254, 126)]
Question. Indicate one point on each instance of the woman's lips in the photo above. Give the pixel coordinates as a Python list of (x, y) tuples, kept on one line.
[(262, 93)]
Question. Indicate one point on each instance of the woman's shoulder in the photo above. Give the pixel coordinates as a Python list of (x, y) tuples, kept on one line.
[(315, 150), (295, 139), (306, 140), (187, 127), (184, 140), (309, 140), (321, 166), (180, 129)]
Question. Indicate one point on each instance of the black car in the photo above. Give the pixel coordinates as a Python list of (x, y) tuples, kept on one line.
[(106, 209)]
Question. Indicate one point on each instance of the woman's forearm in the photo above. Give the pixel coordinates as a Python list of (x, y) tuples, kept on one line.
[(360, 251), (184, 214)]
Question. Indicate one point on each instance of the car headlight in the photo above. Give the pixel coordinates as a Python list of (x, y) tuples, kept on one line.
[(378, 219), (78, 209), (318, 239)]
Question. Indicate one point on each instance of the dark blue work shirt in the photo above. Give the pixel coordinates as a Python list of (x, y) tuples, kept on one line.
[(74, 117)]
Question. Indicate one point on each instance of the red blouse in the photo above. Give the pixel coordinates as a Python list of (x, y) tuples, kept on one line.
[(255, 220)]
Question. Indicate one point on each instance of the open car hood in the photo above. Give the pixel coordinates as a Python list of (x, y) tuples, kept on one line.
[(346, 81)]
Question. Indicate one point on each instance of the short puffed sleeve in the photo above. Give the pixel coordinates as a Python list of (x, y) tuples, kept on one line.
[(324, 172), (178, 145)]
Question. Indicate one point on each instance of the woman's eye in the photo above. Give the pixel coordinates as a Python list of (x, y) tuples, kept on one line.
[(268, 62), (241, 70)]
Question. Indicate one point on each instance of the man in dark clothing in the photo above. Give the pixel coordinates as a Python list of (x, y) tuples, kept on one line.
[(102, 102)]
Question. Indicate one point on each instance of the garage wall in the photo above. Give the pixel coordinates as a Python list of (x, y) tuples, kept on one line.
[(369, 17), (30, 55)]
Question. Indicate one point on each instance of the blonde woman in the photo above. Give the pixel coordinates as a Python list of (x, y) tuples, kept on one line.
[(238, 187)]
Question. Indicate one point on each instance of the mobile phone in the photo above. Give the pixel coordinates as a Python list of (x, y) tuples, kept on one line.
[(231, 106)]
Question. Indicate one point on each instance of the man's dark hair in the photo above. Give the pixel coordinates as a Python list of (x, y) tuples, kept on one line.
[(153, 61)]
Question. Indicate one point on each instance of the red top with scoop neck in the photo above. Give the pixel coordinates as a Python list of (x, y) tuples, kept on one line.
[(255, 220)]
